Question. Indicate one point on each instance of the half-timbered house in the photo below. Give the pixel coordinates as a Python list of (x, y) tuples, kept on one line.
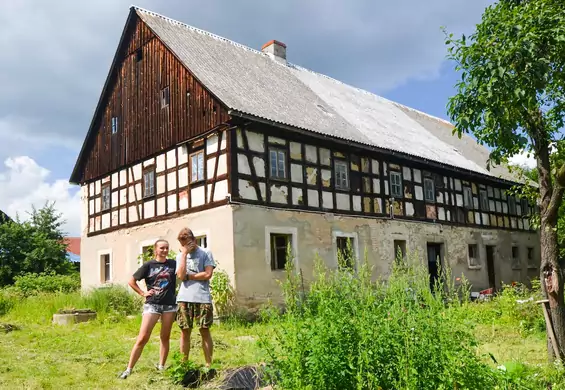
[(255, 153)]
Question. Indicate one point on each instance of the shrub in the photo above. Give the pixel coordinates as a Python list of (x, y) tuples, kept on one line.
[(222, 293), (7, 302), (346, 332), (113, 299), (31, 284)]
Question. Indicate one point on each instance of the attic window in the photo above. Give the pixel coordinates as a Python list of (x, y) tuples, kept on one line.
[(165, 97), (114, 124)]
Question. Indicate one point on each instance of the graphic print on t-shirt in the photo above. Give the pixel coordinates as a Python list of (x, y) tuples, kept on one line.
[(161, 281)]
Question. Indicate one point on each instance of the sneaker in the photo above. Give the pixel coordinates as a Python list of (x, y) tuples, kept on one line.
[(159, 367), (125, 374)]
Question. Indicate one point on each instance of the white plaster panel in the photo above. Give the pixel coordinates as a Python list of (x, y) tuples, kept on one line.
[(259, 164), (325, 156), (441, 213), (98, 223), (183, 200), (475, 202), (375, 166), (239, 139), (171, 203), (498, 207), (136, 172), (224, 143), (491, 205), (149, 209), (183, 177), (91, 189), (246, 190), (171, 159), (418, 192), (221, 190), (161, 210), (161, 186), (123, 215), (296, 173), (279, 193), (439, 197), (380, 203), (105, 221), (171, 181), (212, 144), (149, 162), (457, 185), (409, 209), (115, 180), (114, 199), (407, 175), (91, 225), (459, 199), (342, 201), (182, 152), (223, 165), (386, 187), (505, 208), (477, 218), (526, 224), (106, 179), (385, 169), (295, 149), (327, 200), (91, 207), (448, 215), (311, 154), (417, 176), (520, 224), (243, 164), (296, 196), (115, 221), (357, 203), (277, 140), (133, 214), (123, 177), (97, 187), (263, 190), (210, 165), (160, 165), (313, 198), (376, 186), (326, 175), (97, 205), (197, 197), (256, 141)]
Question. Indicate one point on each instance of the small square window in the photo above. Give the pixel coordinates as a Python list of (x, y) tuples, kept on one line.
[(277, 163), (396, 184), (279, 250), (149, 183), (197, 167), (341, 175), (429, 191), (165, 97), (202, 241), (106, 197)]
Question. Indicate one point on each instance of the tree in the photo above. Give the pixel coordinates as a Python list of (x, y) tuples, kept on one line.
[(511, 96), (33, 246)]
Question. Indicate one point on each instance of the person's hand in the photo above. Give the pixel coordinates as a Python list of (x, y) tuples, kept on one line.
[(149, 293)]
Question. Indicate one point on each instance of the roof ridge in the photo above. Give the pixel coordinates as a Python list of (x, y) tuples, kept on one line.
[(196, 29)]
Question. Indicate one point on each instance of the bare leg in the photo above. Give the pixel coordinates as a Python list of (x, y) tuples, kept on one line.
[(185, 343), (167, 320), (147, 324), (207, 345)]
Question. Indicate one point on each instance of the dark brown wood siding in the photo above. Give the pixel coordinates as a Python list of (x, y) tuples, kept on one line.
[(144, 68)]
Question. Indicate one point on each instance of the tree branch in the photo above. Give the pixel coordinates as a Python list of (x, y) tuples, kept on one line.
[(556, 195)]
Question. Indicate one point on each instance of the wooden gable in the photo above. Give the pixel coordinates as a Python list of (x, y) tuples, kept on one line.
[(150, 102)]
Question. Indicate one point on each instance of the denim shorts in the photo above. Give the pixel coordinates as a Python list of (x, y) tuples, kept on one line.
[(151, 308)]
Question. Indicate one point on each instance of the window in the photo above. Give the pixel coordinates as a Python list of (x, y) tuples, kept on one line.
[(279, 250), (106, 197), (345, 252), (531, 263), (202, 241), (106, 267), (197, 167), (149, 183), (399, 250), (484, 200), (277, 160), (467, 197), (511, 205), (138, 55), (341, 179), (165, 97), (515, 258), (525, 207), (473, 253), (396, 185), (429, 192), (188, 104), (114, 124)]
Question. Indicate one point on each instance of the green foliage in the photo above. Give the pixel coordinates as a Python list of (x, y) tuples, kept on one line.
[(222, 292), (149, 255), (7, 302), (31, 284), (115, 299), (346, 332), (34, 246)]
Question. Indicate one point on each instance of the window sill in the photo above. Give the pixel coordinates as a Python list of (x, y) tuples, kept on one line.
[(475, 267)]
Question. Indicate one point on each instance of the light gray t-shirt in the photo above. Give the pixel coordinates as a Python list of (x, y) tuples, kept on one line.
[(196, 291)]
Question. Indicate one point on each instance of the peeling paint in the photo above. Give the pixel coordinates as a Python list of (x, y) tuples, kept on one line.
[(256, 141), (311, 175), (296, 173), (326, 177), (325, 157), (365, 164), (419, 192), (431, 211), (378, 205), (277, 140), (407, 192), (259, 165), (366, 205), (311, 153), (279, 193), (339, 155), (296, 151), (342, 201), (409, 209), (297, 196), (406, 174)]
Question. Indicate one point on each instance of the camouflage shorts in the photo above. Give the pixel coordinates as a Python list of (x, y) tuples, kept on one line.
[(188, 313)]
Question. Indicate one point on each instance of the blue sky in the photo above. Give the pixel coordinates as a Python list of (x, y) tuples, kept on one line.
[(59, 53)]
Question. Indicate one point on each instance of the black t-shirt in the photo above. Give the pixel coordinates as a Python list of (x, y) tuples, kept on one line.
[(161, 278)]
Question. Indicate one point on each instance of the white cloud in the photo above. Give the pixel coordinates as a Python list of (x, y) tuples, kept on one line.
[(524, 159), (24, 183)]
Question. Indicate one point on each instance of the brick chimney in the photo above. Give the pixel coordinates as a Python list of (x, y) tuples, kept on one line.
[(275, 49)]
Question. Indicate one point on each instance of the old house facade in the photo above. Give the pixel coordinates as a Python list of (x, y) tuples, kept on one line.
[(255, 153)]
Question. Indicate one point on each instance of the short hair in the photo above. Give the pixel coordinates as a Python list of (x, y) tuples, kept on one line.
[(160, 240), (185, 234)]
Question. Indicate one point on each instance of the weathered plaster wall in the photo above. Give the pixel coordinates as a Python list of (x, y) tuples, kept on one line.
[(314, 233), (125, 245)]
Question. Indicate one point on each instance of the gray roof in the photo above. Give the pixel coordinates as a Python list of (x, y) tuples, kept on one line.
[(251, 82)]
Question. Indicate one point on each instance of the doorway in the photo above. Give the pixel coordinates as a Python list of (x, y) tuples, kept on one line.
[(490, 266), (434, 262)]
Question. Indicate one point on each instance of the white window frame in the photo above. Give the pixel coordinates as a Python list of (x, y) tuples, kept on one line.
[(115, 125), (293, 232), (479, 264), (341, 177), (285, 173), (144, 173), (202, 233), (392, 184), (199, 169), (355, 246), (101, 266), (433, 190), (143, 244), (102, 208)]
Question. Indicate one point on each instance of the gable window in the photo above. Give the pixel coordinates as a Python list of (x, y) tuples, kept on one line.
[(511, 205), (467, 197), (277, 160), (516, 258), (106, 197), (341, 176), (149, 183), (114, 124), (165, 97), (484, 200), (473, 256), (429, 190), (279, 250), (197, 166), (395, 184)]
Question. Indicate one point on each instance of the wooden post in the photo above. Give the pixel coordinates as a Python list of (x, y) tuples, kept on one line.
[(549, 326)]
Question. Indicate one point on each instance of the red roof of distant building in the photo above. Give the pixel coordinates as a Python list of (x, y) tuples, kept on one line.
[(73, 245)]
